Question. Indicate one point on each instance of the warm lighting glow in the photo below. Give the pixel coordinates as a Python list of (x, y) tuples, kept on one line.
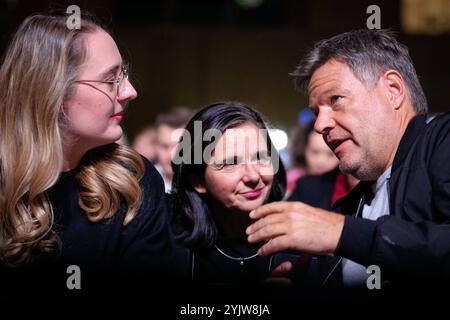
[(425, 17), (249, 3), (279, 138)]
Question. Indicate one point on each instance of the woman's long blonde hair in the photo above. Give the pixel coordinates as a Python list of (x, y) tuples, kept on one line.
[(37, 74)]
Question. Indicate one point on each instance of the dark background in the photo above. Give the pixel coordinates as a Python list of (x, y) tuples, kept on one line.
[(194, 52)]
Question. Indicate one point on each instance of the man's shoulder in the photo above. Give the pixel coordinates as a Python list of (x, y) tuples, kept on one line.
[(441, 119), (152, 177), (420, 139), (436, 134)]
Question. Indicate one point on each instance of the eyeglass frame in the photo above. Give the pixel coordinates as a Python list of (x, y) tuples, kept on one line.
[(117, 81)]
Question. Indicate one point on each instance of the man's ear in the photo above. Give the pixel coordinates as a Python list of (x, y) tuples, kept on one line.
[(395, 88), (197, 183)]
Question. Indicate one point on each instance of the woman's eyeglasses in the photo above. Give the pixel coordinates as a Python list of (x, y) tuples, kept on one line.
[(116, 83)]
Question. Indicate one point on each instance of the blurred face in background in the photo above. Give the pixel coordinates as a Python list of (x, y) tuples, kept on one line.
[(145, 144), (167, 139), (319, 157)]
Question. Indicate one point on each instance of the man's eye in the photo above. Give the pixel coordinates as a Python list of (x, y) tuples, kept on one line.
[(335, 99)]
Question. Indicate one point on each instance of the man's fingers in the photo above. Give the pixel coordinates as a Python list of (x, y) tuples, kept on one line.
[(282, 269), (266, 221), (268, 209), (278, 281), (267, 232), (279, 243)]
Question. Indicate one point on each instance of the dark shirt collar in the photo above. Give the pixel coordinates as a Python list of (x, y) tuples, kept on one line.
[(415, 126)]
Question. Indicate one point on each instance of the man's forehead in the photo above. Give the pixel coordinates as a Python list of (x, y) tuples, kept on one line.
[(329, 69), (322, 86), (328, 77)]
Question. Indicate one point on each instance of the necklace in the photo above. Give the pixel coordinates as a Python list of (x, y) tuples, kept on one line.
[(241, 260)]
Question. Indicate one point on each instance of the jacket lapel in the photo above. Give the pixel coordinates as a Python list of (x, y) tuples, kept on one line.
[(330, 267), (416, 125)]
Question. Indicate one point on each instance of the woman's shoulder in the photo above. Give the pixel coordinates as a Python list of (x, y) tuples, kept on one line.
[(150, 170), (152, 182)]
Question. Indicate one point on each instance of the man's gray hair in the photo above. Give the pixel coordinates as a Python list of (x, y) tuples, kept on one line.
[(369, 54)]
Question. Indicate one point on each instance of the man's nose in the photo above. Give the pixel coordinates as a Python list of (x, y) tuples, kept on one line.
[(324, 122)]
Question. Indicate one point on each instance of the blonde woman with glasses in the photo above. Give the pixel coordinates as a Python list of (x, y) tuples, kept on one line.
[(69, 195)]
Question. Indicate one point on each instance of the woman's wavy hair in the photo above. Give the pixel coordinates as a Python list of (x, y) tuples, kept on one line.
[(190, 210), (36, 76)]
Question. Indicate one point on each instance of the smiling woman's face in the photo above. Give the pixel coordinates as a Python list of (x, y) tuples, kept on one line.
[(240, 175)]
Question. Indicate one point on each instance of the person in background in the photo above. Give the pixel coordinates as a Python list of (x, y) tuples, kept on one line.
[(297, 141), (297, 167), (168, 133), (322, 191), (318, 157), (145, 144), (312, 152), (323, 183)]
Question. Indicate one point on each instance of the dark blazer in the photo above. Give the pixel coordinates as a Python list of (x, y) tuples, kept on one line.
[(411, 245), (316, 191)]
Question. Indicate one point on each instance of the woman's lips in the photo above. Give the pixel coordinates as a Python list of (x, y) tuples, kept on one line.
[(118, 116), (252, 194)]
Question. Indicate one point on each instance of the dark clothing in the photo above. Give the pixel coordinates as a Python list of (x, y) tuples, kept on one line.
[(216, 276), (141, 245), (212, 266), (108, 254), (217, 272), (208, 265), (227, 277), (411, 245), (315, 190)]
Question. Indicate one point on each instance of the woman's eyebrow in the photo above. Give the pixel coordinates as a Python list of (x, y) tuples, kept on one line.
[(110, 70), (231, 159)]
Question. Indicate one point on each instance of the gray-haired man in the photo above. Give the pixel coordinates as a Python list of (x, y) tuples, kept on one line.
[(371, 111)]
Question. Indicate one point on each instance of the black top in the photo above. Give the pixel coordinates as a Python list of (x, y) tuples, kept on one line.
[(231, 268), (216, 265), (107, 253), (142, 244), (316, 190)]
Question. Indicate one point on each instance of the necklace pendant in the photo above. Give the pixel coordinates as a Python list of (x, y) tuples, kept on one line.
[(241, 262)]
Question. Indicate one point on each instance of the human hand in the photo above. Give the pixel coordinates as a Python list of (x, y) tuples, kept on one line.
[(295, 226), (280, 275)]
